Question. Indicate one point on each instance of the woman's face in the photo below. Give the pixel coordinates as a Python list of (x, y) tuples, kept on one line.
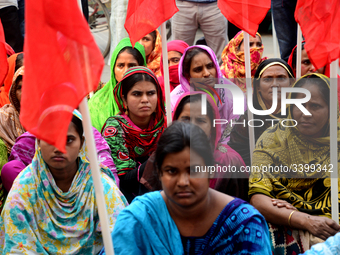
[(179, 186), (274, 76), (192, 113), (173, 58), (307, 66), (141, 100), (124, 61), (253, 43), (18, 91), (313, 125), (55, 159), (148, 43), (203, 67)]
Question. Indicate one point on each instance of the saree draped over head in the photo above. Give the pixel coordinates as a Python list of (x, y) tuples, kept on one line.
[(154, 59), (223, 96), (239, 229), (8, 80), (127, 141), (39, 218), (233, 66), (308, 191), (179, 46), (239, 136), (10, 126), (103, 105), (234, 184)]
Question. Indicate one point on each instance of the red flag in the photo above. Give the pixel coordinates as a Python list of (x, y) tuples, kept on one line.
[(320, 25), (245, 14), (3, 56), (145, 16), (62, 65)]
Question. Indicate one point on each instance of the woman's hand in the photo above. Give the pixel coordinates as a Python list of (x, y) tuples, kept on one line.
[(282, 203), (322, 227)]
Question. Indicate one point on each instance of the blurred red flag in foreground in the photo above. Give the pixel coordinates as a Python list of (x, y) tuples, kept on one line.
[(320, 25), (62, 65), (145, 16), (3, 56), (245, 14)]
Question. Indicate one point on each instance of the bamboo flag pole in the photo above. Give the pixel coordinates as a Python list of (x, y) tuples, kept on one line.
[(298, 52), (96, 176), (166, 74), (334, 141), (274, 37)]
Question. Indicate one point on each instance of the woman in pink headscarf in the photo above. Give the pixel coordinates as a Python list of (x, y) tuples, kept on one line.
[(176, 49)]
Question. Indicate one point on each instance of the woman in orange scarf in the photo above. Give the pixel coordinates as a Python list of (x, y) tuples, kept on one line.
[(233, 65)]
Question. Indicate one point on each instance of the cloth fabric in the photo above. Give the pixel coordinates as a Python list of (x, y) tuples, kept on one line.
[(39, 218), (4, 99), (309, 191), (10, 126), (127, 141), (24, 149), (6, 3), (153, 61), (9, 50), (329, 247), (239, 136), (225, 106), (206, 16), (179, 46), (103, 105), (239, 229), (233, 66), (3, 161), (232, 183)]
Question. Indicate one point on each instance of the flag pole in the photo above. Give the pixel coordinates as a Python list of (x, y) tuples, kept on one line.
[(166, 74), (96, 177), (334, 141), (249, 88), (274, 37), (298, 52)]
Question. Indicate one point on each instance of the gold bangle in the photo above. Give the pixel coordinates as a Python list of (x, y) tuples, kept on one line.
[(289, 218)]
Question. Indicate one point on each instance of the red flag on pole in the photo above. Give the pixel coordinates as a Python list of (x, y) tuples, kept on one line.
[(245, 14), (3, 56), (320, 25), (62, 65), (144, 16)]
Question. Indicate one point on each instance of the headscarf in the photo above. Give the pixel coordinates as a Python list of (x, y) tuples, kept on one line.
[(10, 126), (308, 191), (222, 97), (103, 105), (233, 65), (179, 46), (154, 59), (8, 80), (38, 216), (127, 141)]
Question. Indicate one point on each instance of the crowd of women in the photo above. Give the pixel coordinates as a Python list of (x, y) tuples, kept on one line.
[(156, 201)]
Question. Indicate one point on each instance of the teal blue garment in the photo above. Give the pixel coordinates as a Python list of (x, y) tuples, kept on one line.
[(330, 247), (146, 227)]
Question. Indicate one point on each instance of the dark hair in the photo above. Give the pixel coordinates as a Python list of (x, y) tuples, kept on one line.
[(154, 36), (189, 55), (128, 83), (193, 99), (294, 55), (178, 136), (19, 62), (78, 125), (19, 78), (135, 53)]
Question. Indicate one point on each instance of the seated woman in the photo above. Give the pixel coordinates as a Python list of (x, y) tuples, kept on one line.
[(176, 49), (233, 66), (297, 207), (103, 105), (199, 65), (51, 208), (188, 217), (152, 43), (273, 72), (133, 134)]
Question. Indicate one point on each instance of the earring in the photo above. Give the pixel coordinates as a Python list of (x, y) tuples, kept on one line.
[(126, 111)]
